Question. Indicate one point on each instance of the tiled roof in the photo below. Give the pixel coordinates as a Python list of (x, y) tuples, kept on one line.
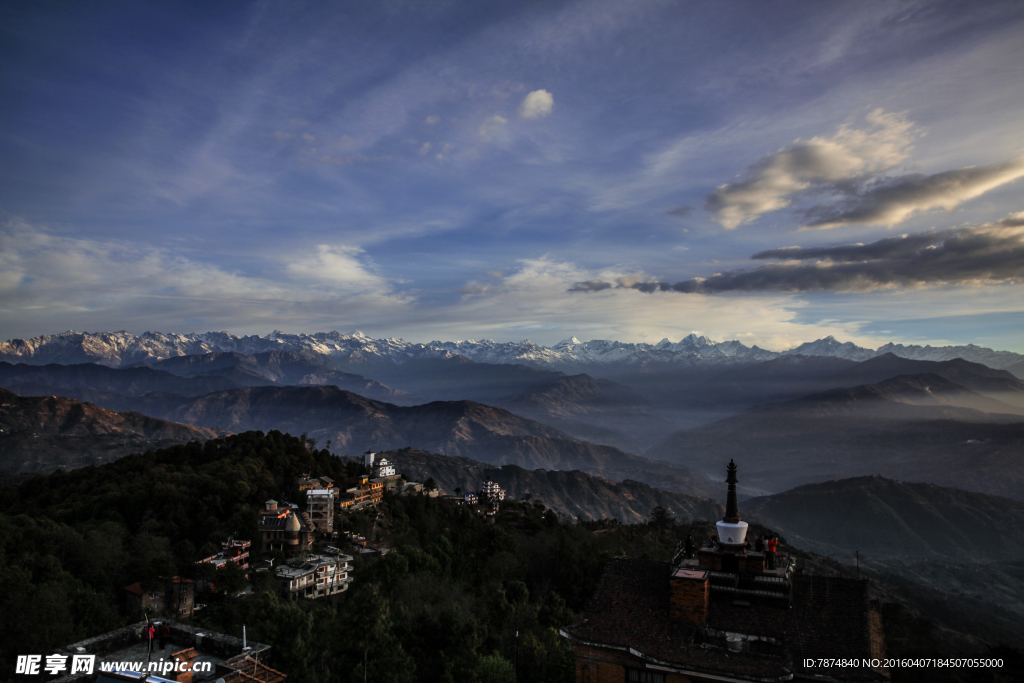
[(247, 670), (828, 618)]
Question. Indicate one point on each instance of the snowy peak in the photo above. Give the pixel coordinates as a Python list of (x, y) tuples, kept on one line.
[(119, 349), (830, 346)]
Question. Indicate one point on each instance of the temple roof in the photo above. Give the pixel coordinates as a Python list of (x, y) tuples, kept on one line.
[(829, 618)]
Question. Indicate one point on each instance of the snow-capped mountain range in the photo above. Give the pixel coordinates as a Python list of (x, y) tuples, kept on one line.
[(119, 349)]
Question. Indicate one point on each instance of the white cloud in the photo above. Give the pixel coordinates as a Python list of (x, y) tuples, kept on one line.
[(536, 105), (492, 127), (432, 120), (339, 267), (52, 282), (425, 149), (533, 302), (850, 153)]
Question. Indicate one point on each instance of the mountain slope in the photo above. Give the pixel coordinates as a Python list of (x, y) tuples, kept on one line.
[(897, 429), (279, 368), (28, 379), (999, 384), (886, 518), (944, 538), (595, 409), (354, 424), (40, 434), (571, 493)]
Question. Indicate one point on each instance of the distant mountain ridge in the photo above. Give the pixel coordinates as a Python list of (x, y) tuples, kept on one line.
[(911, 427), (118, 349), (353, 424)]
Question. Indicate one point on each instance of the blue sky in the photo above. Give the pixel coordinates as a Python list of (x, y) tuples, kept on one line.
[(453, 170)]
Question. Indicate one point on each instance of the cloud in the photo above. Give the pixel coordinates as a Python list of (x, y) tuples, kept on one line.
[(532, 301), (536, 105), (491, 127), (590, 286), (339, 267), (889, 202), (432, 120), (771, 182), (681, 212), (992, 253), (425, 149), (51, 282)]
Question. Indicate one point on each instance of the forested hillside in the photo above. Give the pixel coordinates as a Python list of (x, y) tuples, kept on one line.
[(444, 605)]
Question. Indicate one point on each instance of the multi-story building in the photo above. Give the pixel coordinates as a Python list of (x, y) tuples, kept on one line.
[(320, 507), (168, 595), (317, 577), (232, 550), (283, 527), (307, 482), (492, 491), (368, 492)]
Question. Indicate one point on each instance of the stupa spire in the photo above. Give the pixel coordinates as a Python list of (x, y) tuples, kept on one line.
[(732, 510)]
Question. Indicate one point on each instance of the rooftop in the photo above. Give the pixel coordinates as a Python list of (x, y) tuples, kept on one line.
[(827, 617), (128, 644)]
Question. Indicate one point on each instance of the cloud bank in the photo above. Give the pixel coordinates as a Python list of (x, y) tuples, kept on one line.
[(992, 253)]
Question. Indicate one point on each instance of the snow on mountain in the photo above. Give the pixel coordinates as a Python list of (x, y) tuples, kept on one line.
[(116, 349), (830, 346)]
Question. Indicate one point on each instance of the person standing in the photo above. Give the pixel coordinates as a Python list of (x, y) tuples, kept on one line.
[(164, 632), (688, 548), (772, 544)]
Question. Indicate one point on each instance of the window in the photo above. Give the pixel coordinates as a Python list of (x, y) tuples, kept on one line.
[(642, 676)]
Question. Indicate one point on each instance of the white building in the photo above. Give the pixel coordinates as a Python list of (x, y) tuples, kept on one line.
[(320, 508), (385, 468), (493, 491), (368, 457), (318, 576)]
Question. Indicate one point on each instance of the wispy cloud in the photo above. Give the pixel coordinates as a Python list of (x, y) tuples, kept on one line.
[(891, 201), (50, 282), (770, 184)]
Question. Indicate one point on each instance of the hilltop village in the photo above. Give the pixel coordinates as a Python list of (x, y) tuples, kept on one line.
[(319, 568)]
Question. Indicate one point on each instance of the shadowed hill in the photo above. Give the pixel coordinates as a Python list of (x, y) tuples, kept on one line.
[(355, 424), (947, 539), (574, 493), (595, 409), (29, 380), (907, 428), (887, 518), (279, 368), (40, 434), (998, 384)]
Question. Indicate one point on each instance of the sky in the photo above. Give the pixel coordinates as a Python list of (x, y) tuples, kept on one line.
[(768, 172)]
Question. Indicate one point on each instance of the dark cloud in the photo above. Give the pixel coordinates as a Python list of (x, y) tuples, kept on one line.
[(590, 286), (891, 201), (681, 212), (989, 253)]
